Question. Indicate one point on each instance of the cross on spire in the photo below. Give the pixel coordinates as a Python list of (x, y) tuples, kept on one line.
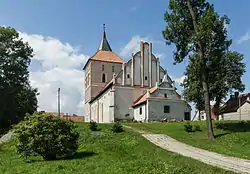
[(104, 27)]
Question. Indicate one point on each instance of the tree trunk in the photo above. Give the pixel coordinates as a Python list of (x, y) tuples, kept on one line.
[(216, 108), (210, 133), (199, 117)]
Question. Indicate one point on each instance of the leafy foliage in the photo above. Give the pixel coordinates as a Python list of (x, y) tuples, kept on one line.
[(45, 135), (117, 127), (188, 127), (200, 35), (17, 96), (197, 128), (93, 126)]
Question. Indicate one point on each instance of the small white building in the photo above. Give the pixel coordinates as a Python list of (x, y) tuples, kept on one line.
[(236, 108), (139, 89)]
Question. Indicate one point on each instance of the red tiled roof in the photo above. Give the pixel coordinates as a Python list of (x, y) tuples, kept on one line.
[(105, 56), (232, 104), (144, 97)]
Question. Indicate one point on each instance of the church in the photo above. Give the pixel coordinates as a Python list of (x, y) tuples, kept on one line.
[(137, 90)]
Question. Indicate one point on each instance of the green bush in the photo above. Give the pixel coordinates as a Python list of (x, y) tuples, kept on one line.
[(47, 136), (197, 128), (220, 125), (188, 127), (117, 127), (93, 126)]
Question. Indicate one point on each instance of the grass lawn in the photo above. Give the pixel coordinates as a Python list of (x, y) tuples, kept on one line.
[(233, 138), (106, 152)]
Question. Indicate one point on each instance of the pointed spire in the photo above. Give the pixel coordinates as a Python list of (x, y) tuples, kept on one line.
[(165, 77), (104, 43)]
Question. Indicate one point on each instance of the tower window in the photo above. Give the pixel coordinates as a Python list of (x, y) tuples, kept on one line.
[(103, 78), (166, 109), (146, 77), (113, 68), (128, 76), (165, 95), (102, 67), (140, 110)]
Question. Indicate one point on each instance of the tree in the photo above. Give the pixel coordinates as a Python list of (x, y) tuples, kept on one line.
[(193, 86), (17, 96), (224, 77), (197, 31)]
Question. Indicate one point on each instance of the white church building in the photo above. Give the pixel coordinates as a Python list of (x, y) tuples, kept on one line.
[(139, 89)]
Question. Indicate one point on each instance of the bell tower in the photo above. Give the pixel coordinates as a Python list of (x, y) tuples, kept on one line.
[(99, 70)]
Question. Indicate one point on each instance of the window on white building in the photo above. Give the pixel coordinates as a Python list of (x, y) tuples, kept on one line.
[(187, 116), (166, 109), (103, 78), (102, 67), (128, 76), (113, 68), (146, 78), (165, 95), (140, 110)]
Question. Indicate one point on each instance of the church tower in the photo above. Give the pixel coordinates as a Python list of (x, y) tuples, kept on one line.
[(99, 70)]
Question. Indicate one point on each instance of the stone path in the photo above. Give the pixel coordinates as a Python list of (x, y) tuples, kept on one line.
[(226, 162)]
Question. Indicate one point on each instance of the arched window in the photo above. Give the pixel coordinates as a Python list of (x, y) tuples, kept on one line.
[(103, 78), (102, 67)]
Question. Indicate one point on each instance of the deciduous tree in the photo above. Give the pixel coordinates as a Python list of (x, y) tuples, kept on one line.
[(199, 34), (17, 97)]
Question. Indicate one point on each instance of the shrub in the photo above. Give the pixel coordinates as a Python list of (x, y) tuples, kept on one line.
[(93, 126), (188, 127), (220, 125), (117, 127), (46, 135), (197, 128)]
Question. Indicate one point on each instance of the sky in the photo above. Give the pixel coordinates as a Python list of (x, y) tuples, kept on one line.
[(64, 34)]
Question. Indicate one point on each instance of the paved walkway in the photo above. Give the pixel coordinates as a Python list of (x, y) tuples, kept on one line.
[(226, 162)]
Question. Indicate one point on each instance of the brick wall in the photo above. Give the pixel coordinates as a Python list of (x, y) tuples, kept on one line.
[(74, 118)]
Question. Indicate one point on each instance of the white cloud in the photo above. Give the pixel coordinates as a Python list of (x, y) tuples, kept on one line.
[(244, 38), (53, 53), (226, 26), (160, 55), (179, 79), (61, 66), (134, 45)]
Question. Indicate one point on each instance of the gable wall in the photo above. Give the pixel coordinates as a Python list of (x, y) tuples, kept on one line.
[(177, 109)]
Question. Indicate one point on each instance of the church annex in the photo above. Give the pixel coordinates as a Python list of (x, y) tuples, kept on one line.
[(139, 89)]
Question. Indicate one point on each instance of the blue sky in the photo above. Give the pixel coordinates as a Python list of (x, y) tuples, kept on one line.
[(73, 29)]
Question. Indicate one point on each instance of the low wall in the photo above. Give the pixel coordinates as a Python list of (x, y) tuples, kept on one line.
[(74, 118)]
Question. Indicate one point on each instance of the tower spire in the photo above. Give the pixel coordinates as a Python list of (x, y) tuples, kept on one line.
[(104, 43)]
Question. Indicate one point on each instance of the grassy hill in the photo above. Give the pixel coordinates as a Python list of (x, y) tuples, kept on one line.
[(231, 137), (106, 152)]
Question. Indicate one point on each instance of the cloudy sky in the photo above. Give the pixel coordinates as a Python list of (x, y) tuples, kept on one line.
[(64, 34)]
